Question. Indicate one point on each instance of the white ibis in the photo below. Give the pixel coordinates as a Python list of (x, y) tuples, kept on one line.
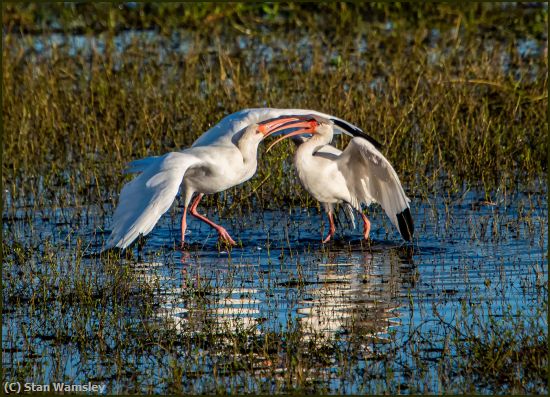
[(358, 175), (222, 157)]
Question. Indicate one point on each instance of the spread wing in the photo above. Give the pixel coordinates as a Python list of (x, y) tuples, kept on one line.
[(223, 132), (148, 196), (371, 178)]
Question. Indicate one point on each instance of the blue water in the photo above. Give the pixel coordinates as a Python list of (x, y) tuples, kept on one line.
[(466, 251)]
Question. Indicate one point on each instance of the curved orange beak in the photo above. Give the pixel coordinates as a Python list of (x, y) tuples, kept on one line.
[(271, 126), (306, 127)]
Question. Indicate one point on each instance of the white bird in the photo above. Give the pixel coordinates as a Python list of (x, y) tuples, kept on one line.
[(222, 157), (358, 175)]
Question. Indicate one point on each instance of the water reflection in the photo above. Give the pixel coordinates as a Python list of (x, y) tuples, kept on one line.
[(347, 295), (192, 301), (358, 298), (328, 295)]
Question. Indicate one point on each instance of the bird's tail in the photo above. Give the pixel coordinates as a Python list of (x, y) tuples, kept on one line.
[(148, 196), (405, 224)]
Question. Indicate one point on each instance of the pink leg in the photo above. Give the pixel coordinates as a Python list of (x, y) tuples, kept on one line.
[(195, 203), (224, 236), (366, 226), (332, 228), (183, 225)]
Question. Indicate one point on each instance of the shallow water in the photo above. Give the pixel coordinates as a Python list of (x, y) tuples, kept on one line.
[(467, 251), (280, 312), (257, 50)]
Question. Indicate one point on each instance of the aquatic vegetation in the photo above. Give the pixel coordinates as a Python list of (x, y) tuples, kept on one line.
[(456, 94), (465, 110)]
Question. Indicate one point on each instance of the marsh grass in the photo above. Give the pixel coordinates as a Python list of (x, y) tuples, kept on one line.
[(455, 98), (467, 107)]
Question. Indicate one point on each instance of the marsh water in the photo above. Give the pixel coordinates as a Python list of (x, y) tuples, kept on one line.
[(459, 105), (470, 257)]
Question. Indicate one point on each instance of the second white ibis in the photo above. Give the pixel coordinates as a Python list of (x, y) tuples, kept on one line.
[(358, 175)]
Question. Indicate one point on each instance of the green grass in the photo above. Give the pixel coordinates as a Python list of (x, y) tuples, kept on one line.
[(462, 119), (452, 118)]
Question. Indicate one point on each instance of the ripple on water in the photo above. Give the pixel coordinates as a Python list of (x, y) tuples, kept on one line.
[(379, 291)]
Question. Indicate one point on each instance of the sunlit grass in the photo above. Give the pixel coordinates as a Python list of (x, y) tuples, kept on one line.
[(458, 104), (449, 109)]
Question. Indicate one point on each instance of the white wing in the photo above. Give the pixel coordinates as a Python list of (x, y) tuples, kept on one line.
[(222, 133), (140, 165), (144, 199), (371, 178)]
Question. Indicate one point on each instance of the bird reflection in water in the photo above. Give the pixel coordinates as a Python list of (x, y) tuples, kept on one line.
[(357, 298)]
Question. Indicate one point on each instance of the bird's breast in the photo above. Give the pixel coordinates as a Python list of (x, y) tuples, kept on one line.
[(219, 172), (322, 179)]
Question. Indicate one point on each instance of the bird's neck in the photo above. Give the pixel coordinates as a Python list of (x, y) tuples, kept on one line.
[(313, 144), (305, 152), (249, 151)]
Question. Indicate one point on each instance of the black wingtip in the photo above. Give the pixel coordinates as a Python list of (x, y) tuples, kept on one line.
[(406, 225), (356, 132)]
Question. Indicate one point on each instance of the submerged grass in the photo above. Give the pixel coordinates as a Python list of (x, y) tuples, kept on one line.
[(105, 319), (457, 95)]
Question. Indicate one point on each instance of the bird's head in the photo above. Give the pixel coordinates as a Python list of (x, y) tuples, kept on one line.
[(253, 132), (300, 125)]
